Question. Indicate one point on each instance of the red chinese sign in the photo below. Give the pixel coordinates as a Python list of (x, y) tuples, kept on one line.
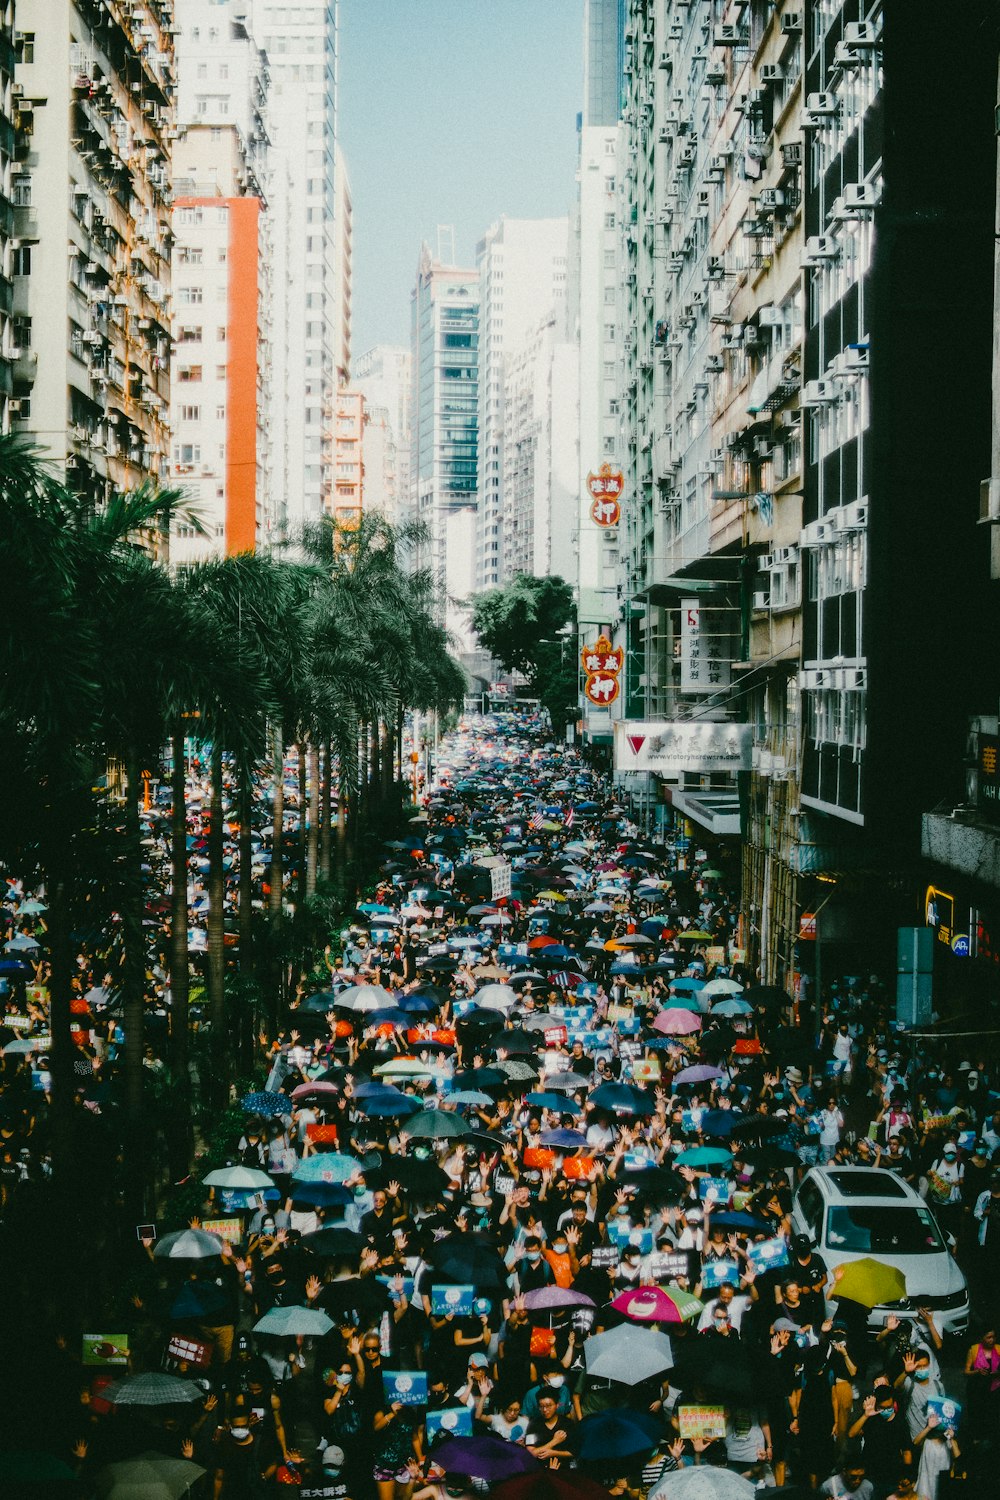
[(605, 489), (602, 663)]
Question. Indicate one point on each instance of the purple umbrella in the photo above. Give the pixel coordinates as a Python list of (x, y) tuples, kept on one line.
[(543, 1298), (489, 1458), (700, 1073)]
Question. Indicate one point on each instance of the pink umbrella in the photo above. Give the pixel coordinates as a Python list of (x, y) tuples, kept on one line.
[(676, 1022), (305, 1089), (655, 1304)]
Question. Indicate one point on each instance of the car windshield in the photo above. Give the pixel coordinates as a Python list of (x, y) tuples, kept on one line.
[(879, 1229)]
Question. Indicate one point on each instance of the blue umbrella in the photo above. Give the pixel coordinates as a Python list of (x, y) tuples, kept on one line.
[(372, 1088), (704, 1156), (618, 1433), (264, 1103), (389, 1015), (326, 1166), (546, 1100), (417, 1005), (321, 1194), (720, 1122), (732, 1006), (569, 1139), (625, 1097), (377, 1108), (736, 1220), (470, 1096)]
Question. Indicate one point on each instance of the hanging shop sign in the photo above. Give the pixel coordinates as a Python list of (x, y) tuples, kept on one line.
[(605, 490), (704, 666), (602, 663)]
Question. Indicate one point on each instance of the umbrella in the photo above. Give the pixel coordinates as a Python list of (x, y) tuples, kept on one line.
[(676, 1022), (549, 1484), (470, 1097), (756, 1127), (622, 1355), (320, 1195), (292, 1322), (327, 1166), (700, 1073), (543, 1298), (694, 935), (870, 1282), (404, 1067), (618, 1433), (316, 1005), (388, 1106), (704, 1156), (151, 1476), (241, 1179), (496, 997), (566, 1140), (436, 1125), (722, 987), (654, 1304), (704, 1482), (625, 1097), (152, 1389), (364, 997), (573, 1081), (733, 1005), (466, 1261), (333, 1239), (545, 1100), (482, 1078), (188, 1244), (264, 1103), (486, 1457), (34, 1468)]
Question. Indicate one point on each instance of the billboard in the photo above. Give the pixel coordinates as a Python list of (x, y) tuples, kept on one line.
[(671, 747)]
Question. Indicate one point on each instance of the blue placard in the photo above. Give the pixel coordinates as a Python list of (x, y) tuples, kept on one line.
[(587, 990), (408, 1387), (691, 1119), (630, 1026), (452, 1299), (638, 1159), (453, 1421), (462, 1007), (947, 1411), (511, 950), (722, 1188), (716, 1273), (767, 1255)]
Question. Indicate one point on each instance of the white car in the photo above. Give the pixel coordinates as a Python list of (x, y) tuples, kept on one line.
[(853, 1212)]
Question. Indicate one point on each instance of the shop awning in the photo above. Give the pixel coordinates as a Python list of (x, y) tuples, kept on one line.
[(719, 812)]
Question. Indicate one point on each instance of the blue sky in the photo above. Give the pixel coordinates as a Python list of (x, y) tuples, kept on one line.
[(451, 112)]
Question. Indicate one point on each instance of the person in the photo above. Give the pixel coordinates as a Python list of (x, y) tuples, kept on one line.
[(397, 1449), (982, 1384), (548, 1435), (939, 1452), (885, 1439), (849, 1483)]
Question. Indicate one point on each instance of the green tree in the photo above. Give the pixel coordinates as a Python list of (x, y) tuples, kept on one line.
[(524, 626)]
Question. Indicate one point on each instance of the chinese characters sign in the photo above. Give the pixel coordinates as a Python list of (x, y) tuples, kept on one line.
[(602, 663), (605, 488), (703, 667), (988, 793), (672, 747)]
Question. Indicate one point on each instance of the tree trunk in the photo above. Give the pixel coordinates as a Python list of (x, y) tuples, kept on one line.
[(216, 929), (182, 1136), (303, 790), (277, 826), (326, 812), (341, 822), (246, 869), (312, 836), (375, 774), (60, 995), (133, 973), (387, 767)]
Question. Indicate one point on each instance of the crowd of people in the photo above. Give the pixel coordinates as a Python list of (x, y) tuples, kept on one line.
[(512, 1208)]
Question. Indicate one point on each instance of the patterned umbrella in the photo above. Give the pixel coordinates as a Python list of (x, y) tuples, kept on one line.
[(327, 1166), (268, 1104), (188, 1244), (655, 1304), (152, 1389), (293, 1322)]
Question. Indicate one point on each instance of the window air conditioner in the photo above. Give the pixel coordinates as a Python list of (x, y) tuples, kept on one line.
[(770, 73), (861, 196), (820, 248), (791, 23), (818, 393), (860, 34)]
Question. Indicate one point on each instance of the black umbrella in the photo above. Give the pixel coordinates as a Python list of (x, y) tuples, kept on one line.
[(316, 1004), (421, 1177), (466, 1261), (333, 1240), (438, 963), (514, 1043), (758, 1128), (765, 995)]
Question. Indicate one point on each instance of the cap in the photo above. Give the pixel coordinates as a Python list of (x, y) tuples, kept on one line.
[(784, 1325), (965, 1067), (793, 1075), (479, 1360), (332, 1457)]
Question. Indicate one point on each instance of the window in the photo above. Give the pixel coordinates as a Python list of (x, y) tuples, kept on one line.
[(220, 335), (25, 47), (880, 1230), (21, 262), (189, 374), (22, 333), (190, 413), (188, 296), (189, 336), (189, 255), (22, 191)]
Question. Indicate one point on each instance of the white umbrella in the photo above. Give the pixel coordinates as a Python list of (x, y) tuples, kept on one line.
[(716, 987), (627, 1355), (363, 997), (703, 1482), (496, 997)]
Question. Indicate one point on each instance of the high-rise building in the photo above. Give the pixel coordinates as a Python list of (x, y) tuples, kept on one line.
[(540, 459), (384, 375), (348, 487), (603, 62), (7, 210), (444, 431), (593, 319), (300, 42), (220, 265), (91, 334), (343, 253), (523, 279)]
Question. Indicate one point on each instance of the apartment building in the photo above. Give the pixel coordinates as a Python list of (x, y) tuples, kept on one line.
[(348, 486), (300, 42), (7, 210), (220, 271), (540, 442), (523, 279), (384, 376), (91, 267), (444, 432)]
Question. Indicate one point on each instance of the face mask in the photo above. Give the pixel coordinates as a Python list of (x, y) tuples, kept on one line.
[(887, 1412), (359, 1192), (949, 1156), (556, 1380), (560, 1247), (921, 1375), (534, 1255), (240, 1432), (345, 1377)]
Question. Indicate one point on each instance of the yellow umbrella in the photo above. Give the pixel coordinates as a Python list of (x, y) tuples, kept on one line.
[(870, 1282)]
